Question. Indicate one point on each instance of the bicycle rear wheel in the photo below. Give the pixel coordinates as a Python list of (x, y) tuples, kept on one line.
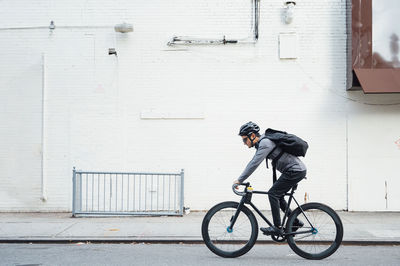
[(321, 234), (223, 241)]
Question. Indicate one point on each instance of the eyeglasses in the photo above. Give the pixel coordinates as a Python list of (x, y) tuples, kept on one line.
[(245, 140)]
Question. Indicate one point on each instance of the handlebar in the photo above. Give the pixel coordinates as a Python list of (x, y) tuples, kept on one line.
[(240, 193)]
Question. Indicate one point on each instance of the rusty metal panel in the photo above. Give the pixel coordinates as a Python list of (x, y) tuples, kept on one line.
[(362, 33), (379, 80)]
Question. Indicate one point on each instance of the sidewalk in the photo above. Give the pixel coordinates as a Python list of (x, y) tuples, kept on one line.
[(359, 227)]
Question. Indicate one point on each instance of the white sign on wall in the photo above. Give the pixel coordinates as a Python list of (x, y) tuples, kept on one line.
[(288, 45)]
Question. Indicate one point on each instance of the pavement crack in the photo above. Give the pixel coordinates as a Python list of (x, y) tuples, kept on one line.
[(64, 229)]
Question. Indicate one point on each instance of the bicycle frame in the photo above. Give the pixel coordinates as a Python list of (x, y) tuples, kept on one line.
[(246, 199)]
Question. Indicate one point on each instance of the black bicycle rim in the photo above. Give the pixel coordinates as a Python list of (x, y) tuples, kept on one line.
[(218, 237), (319, 241)]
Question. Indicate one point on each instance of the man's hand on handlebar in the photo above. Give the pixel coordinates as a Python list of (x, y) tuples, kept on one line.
[(235, 188)]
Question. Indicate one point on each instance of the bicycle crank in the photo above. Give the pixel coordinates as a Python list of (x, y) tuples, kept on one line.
[(279, 239)]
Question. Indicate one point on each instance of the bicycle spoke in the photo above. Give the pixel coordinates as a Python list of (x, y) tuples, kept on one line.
[(303, 236), (324, 237), (230, 242)]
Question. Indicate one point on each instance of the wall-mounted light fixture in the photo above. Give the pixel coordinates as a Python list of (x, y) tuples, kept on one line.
[(123, 28), (112, 51), (52, 26), (289, 13)]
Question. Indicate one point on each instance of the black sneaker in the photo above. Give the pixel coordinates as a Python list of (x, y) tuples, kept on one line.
[(297, 225), (273, 230)]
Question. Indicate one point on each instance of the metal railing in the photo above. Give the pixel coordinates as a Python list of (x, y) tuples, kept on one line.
[(117, 193)]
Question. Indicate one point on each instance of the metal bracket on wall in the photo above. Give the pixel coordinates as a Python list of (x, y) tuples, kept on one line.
[(186, 40), (176, 40)]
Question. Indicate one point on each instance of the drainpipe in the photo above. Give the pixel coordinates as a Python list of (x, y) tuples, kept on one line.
[(43, 168)]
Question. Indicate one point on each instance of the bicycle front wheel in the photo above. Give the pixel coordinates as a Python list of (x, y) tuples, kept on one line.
[(321, 234), (221, 239)]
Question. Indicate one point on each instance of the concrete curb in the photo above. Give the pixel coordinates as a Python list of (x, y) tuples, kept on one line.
[(55, 228), (165, 241)]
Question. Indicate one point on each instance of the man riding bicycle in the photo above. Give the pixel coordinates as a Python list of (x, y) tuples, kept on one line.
[(291, 167)]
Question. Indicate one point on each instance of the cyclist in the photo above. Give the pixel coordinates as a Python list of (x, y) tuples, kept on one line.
[(293, 170)]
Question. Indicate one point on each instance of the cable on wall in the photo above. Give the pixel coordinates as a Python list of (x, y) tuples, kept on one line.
[(187, 40)]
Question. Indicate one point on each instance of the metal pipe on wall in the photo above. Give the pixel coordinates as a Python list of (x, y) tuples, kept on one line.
[(186, 40), (43, 166)]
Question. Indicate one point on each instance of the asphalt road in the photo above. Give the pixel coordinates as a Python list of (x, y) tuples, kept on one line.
[(183, 254)]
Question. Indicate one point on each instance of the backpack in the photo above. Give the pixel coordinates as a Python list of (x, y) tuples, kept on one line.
[(288, 143)]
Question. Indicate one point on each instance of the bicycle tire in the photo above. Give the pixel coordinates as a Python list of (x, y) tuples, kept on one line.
[(215, 232), (327, 236)]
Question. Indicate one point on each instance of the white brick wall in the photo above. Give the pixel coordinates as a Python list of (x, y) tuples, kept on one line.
[(93, 101)]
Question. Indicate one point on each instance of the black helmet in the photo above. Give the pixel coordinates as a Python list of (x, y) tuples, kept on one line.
[(248, 128)]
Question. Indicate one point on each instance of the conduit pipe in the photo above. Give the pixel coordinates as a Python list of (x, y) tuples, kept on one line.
[(43, 168), (187, 40)]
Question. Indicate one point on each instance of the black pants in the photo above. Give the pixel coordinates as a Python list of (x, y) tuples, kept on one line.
[(276, 193)]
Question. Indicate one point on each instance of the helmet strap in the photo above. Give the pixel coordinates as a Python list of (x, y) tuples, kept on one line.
[(252, 143)]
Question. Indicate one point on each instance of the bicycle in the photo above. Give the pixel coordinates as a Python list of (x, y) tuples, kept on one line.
[(230, 229)]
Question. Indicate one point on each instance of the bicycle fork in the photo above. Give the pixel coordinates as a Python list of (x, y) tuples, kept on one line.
[(236, 215)]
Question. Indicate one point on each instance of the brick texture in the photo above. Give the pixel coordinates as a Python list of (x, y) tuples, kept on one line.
[(93, 101)]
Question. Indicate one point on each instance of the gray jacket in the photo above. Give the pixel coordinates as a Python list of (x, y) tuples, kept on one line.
[(287, 162)]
